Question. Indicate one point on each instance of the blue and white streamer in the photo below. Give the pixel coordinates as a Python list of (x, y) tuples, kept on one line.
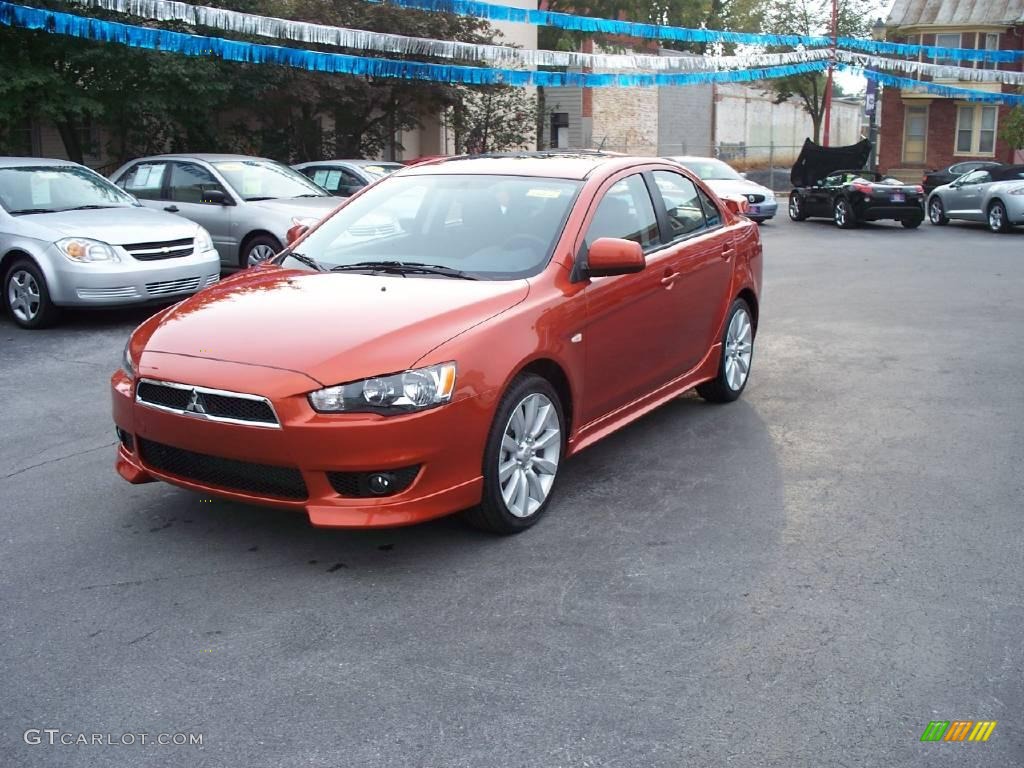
[(915, 67), (945, 91), (502, 55), (234, 50), (496, 12)]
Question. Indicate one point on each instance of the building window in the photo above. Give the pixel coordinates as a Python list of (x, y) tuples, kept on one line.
[(976, 129), (989, 42), (559, 130), (947, 40), (915, 133)]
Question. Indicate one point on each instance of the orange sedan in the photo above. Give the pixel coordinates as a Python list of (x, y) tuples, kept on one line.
[(445, 340)]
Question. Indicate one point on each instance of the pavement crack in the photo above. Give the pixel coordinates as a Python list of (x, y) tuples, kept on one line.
[(140, 639), (59, 458)]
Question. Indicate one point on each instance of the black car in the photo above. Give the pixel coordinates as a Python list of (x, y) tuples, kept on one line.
[(828, 183), (933, 179)]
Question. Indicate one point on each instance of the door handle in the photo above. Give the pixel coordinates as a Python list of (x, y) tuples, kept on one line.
[(669, 279), (172, 209), (728, 252)]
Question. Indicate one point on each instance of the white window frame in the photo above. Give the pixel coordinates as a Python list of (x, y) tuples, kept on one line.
[(906, 124), (988, 41), (959, 44), (979, 110)]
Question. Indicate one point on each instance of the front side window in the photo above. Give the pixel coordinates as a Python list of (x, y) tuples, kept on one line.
[(266, 180), (625, 212), (976, 127), (682, 204), (335, 180), (712, 214), (488, 227), (976, 177), (53, 188), (191, 183)]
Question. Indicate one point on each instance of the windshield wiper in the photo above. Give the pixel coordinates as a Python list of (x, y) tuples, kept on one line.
[(31, 210), (255, 199), (309, 194), (403, 268), (309, 261), (90, 207)]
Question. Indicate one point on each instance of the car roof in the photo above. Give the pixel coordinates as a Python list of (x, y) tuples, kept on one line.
[(572, 164), (209, 157), (350, 163), (684, 159), (21, 162)]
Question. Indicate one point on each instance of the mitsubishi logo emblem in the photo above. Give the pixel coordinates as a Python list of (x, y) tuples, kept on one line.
[(194, 404)]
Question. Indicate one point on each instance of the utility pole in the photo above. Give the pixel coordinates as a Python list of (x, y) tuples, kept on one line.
[(831, 67)]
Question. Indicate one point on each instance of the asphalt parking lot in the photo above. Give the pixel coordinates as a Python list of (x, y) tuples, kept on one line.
[(806, 577)]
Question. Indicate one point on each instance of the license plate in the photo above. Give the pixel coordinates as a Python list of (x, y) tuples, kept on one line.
[(755, 209), (898, 197)]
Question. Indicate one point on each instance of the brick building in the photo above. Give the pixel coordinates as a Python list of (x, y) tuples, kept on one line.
[(922, 131)]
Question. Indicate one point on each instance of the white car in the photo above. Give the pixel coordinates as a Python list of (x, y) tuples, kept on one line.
[(68, 237), (725, 180)]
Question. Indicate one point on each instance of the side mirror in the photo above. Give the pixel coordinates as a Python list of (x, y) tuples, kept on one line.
[(217, 197), (738, 205), (295, 232), (612, 256)]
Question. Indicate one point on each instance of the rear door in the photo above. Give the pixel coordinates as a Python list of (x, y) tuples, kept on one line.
[(187, 187)]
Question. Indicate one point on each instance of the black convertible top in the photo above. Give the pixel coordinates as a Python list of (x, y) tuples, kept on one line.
[(1007, 173), (817, 162)]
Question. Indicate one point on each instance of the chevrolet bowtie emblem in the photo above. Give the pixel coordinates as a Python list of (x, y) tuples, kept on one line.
[(194, 404)]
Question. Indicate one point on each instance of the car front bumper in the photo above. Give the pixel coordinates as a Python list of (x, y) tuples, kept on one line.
[(130, 281), (312, 449), (763, 210)]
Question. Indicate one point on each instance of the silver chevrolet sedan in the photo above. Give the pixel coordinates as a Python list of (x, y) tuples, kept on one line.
[(68, 237), (248, 204)]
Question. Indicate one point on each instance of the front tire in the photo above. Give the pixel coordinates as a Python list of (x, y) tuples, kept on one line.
[(737, 355), (796, 207), (998, 221), (521, 457), (26, 296), (911, 223), (843, 215), (937, 212), (257, 250)]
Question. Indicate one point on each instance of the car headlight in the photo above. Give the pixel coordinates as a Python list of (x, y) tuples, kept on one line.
[(403, 392), (126, 361), (203, 241), (768, 194), (85, 251)]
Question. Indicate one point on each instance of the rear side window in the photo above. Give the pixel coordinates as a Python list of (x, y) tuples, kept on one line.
[(682, 203), (625, 212), (145, 180)]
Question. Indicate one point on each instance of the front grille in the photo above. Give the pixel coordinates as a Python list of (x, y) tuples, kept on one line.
[(357, 484), (172, 249), (123, 292), (212, 279), (230, 474), (202, 402), (172, 286), (755, 198)]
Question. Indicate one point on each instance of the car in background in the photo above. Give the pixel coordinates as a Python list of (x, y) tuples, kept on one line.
[(852, 197), (70, 238), (247, 204), (527, 307), (991, 195), (724, 180), (343, 178), (933, 179)]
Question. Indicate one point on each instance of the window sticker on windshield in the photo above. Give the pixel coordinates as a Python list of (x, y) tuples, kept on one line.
[(229, 166), (40, 188), (250, 185), (545, 193), (373, 169)]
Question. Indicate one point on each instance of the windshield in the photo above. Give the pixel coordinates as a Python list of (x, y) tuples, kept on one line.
[(266, 180), (712, 170), (380, 170), (488, 227), (49, 188)]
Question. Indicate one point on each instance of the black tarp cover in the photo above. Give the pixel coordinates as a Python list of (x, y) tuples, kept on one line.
[(817, 162)]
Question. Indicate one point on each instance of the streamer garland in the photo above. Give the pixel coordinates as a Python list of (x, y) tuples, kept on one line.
[(946, 91), (234, 50), (357, 39), (932, 70)]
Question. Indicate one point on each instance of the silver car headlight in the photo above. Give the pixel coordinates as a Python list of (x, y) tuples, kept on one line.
[(203, 242), (85, 251), (413, 390)]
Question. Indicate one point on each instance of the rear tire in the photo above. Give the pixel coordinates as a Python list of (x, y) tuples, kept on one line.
[(26, 296), (998, 221), (736, 359), (521, 458), (937, 212)]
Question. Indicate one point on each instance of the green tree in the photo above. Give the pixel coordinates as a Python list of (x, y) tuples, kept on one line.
[(493, 119), (1012, 131)]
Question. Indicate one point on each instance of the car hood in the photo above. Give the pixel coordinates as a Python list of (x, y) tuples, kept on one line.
[(816, 162), (331, 327), (317, 207), (737, 187), (117, 226)]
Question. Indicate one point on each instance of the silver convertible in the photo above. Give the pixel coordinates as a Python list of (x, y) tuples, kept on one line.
[(68, 237), (994, 196)]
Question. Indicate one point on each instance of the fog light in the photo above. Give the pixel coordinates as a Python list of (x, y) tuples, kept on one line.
[(380, 483)]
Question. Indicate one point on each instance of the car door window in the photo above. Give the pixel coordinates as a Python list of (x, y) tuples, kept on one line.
[(977, 177), (625, 212), (190, 183), (682, 203), (712, 214), (145, 180)]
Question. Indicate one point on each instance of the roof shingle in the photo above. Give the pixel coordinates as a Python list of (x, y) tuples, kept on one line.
[(912, 13)]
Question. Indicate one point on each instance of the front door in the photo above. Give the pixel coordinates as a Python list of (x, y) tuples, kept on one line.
[(634, 322), (186, 192), (966, 197)]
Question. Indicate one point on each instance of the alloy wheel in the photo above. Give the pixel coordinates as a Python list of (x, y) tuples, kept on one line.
[(794, 207), (996, 216), (841, 213), (738, 350), (935, 212), (528, 460), (260, 253), (23, 295)]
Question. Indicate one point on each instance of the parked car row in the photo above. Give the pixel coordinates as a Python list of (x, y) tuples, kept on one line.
[(161, 228)]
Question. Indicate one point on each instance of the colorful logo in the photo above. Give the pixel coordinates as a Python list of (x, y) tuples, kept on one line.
[(958, 730)]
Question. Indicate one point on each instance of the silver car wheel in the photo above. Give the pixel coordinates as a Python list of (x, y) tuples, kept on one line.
[(935, 211), (23, 296), (739, 349), (260, 253), (840, 213), (794, 206), (995, 217), (528, 460)]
